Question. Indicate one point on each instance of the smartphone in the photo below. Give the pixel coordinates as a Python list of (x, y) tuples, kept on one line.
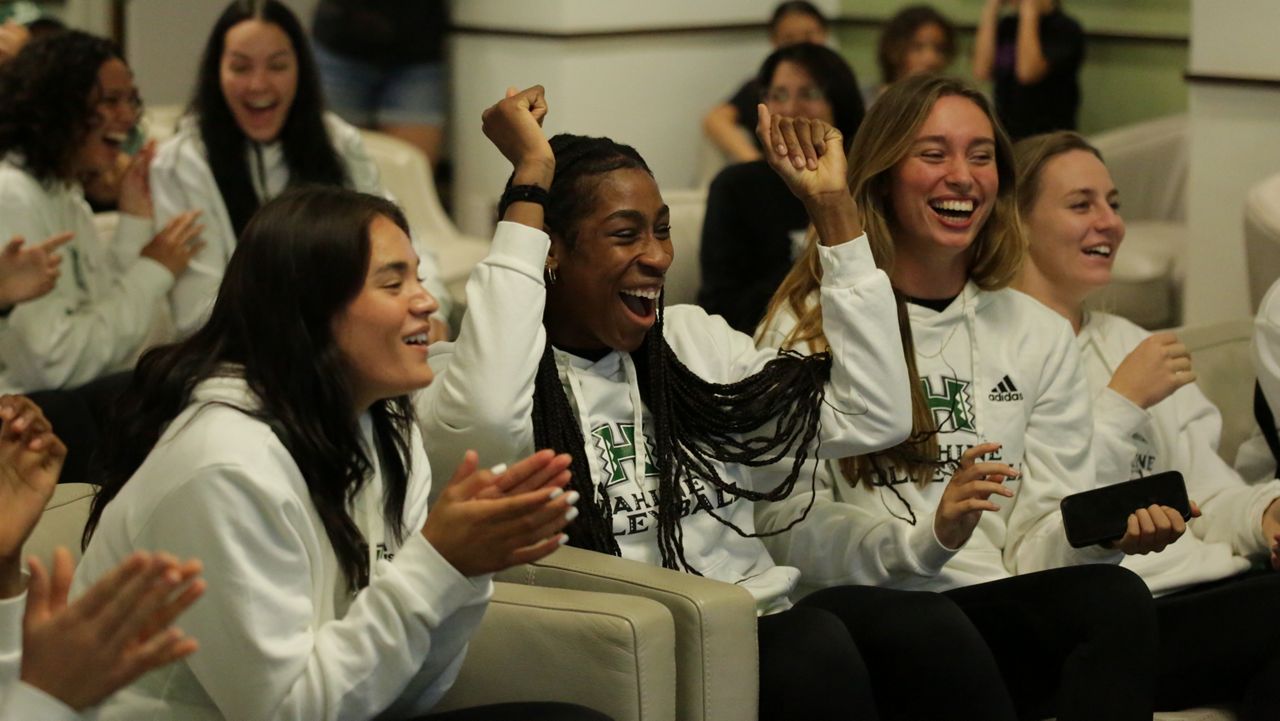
[(1102, 515)]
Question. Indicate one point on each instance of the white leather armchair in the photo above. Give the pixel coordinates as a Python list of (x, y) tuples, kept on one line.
[(1148, 162)]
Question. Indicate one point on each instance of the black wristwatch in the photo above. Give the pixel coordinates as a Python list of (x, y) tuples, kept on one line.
[(524, 194)]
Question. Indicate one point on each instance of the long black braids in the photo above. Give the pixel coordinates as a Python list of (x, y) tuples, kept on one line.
[(698, 425)]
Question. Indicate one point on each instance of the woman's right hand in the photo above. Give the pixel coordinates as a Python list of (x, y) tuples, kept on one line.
[(967, 496), (1155, 369), (175, 245), (514, 126), (484, 521)]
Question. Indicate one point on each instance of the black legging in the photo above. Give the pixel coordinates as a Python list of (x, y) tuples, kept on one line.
[(530, 711), (1078, 643), (1220, 643), (864, 653)]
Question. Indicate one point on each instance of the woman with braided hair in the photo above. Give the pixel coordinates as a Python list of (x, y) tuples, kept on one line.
[(969, 505), (676, 422)]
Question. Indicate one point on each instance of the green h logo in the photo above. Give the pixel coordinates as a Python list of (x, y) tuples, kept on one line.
[(619, 447), (951, 408)]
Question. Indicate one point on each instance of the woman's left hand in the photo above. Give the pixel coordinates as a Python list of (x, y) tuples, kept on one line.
[(31, 458), (1153, 529), (808, 153), (135, 185)]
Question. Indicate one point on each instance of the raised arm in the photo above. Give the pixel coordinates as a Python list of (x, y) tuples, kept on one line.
[(984, 42), (482, 397)]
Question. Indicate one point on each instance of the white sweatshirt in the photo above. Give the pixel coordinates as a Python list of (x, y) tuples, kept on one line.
[(1254, 460), (482, 398), (99, 313), (182, 180), (280, 637), (19, 701), (997, 367), (1179, 433)]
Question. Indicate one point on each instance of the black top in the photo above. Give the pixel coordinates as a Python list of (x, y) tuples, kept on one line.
[(936, 305), (747, 242), (745, 102), (1050, 104), (384, 32)]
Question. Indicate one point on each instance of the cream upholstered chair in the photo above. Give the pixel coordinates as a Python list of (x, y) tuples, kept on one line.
[(613, 653), (1148, 162), (717, 663), (688, 209), (1262, 237), (1224, 371), (407, 177)]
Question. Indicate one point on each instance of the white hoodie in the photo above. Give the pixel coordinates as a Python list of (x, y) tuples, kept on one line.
[(280, 637), (97, 317), (998, 367), (20, 701), (482, 398), (182, 180), (1254, 460), (1179, 433)]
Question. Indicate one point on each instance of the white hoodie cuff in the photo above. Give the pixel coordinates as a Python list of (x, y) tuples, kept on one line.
[(519, 247), (427, 571), (929, 552), (1121, 415), (28, 702), (845, 264), (11, 612)]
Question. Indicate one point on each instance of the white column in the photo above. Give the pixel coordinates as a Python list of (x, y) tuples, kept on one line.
[(1235, 142)]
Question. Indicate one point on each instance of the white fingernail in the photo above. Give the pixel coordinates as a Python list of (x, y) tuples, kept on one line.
[(572, 498), (499, 469), (564, 538), (571, 514), (556, 493)]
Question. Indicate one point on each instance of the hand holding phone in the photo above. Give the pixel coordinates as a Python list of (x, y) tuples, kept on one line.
[(1143, 515)]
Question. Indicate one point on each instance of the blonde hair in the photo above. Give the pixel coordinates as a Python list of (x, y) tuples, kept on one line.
[(1032, 155), (884, 139)]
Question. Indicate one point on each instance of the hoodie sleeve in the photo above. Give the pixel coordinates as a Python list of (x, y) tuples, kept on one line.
[(848, 541), (1057, 461), (64, 338), (868, 399), (1115, 419), (263, 655), (482, 396), (1232, 509), (19, 701), (181, 180)]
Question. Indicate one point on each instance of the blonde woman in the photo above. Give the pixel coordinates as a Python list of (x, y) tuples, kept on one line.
[(969, 502), (1215, 613)]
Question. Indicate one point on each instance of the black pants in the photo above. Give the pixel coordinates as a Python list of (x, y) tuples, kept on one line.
[(864, 653), (80, 417), (1078, 643), (531, 711), (1220, 644)]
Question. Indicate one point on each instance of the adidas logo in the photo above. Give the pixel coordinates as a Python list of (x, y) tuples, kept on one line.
[(1005, 390)]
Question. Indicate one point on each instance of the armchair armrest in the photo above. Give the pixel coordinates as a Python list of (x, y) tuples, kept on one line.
[(717, 663), (607, 652)]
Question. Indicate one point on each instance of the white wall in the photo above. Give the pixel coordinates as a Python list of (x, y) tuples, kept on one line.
[(648, 90), (164, 40), (1235, 142)]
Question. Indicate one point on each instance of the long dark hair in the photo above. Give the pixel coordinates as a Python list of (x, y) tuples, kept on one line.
[(308, 150), (832, 75), (300, 261), (47, 100), (754, 422)]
